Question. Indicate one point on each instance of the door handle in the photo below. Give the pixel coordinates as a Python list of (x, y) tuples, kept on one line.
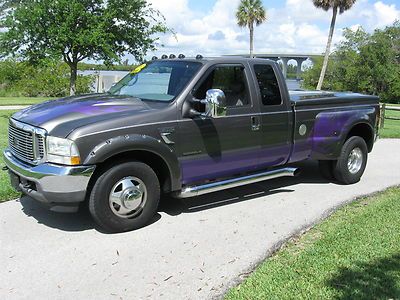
[(255, 123)]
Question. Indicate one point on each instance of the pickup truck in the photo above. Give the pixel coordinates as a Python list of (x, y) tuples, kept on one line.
[(186, 127)]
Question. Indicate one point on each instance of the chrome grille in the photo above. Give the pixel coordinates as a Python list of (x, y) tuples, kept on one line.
[(26, 142)]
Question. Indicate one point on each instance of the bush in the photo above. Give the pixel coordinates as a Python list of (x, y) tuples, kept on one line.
[(47, 79)]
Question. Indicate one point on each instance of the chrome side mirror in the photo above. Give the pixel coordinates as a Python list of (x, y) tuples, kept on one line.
[(215, 103)]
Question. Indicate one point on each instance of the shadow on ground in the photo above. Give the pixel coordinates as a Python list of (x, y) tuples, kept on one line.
[(79, 221), (377, 279), (82, 221), (309, 174)]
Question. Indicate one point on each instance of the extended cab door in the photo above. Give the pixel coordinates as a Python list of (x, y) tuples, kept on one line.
[(276, 115), (222, 147)]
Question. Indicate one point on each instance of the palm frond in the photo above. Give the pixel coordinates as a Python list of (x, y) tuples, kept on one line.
[(342, 5), (250, 12)]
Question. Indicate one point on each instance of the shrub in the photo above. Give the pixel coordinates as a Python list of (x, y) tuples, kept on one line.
[(46, 79)]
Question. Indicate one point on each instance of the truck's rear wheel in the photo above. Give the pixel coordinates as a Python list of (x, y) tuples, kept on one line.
[(352, 161), (125, 197)]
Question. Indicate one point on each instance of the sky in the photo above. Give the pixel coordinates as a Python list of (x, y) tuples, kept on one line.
[(208, 27)]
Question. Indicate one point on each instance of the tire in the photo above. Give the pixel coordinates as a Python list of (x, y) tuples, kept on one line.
[(352, 161), (125, 197), (326, 169)]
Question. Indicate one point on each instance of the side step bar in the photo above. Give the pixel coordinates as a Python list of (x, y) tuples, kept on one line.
[(197, 190)]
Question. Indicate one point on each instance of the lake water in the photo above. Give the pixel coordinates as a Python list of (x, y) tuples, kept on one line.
[(105, 79)]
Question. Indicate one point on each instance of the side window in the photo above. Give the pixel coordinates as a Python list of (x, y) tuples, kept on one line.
[(231, 80), (268, 84)]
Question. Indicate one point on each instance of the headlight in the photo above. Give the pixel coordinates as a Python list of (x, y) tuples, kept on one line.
[(62, 151)]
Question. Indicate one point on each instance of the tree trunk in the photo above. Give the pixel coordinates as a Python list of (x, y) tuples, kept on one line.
[(251, 27), (72, 81), (328, 49)]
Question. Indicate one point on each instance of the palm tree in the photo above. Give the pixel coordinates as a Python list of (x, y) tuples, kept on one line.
[(337, 6), (251, 12)]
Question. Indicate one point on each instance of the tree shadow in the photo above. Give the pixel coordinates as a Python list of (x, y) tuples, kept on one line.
[(378, 279)]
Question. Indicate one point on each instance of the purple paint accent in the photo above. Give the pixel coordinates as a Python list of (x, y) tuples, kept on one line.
[(329, 130), (199, 169), (272, 156), (240, 161), (325, 134), (71, 108)]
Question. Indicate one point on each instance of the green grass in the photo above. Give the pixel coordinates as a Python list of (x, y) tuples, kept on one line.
[(6, 192), (392, 127), (354, 254), (22, 100)]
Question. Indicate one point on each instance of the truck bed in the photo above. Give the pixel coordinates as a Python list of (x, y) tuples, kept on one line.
[(307, 98)]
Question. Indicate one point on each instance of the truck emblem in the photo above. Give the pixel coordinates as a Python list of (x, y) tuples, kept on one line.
[(166, 139), (15, 141), (302, 129)]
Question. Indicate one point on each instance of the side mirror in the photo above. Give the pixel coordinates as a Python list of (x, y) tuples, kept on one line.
[(215, 103)]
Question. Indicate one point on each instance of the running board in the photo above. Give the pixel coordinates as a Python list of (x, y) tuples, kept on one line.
[(197, 190)]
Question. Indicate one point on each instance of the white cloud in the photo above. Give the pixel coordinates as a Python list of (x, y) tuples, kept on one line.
[(298, 27), (385, 14)]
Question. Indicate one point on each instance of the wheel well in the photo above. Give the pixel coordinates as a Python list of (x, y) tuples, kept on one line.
[(154, 161), (365, 131)]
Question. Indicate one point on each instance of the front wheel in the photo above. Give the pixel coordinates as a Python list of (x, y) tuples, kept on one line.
[(352, 161), (125, 197)]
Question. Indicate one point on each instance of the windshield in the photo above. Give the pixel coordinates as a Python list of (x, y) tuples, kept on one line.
[(158, 80)]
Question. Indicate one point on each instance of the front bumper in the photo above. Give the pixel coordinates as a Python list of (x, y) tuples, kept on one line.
[(60, 187)]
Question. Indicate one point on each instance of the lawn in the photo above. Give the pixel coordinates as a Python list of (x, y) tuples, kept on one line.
[(22, 100), (6, 192), (354, 254), (392, 127)]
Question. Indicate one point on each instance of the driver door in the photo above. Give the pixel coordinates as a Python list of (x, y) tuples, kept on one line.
[(214, 148)]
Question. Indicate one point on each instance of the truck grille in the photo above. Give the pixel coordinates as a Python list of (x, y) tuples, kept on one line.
[(26, 142)]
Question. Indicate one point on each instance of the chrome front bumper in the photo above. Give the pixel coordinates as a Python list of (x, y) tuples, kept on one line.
[(61, 187)]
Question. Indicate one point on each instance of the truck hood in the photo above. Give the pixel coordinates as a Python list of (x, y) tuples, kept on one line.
[(66, 114)]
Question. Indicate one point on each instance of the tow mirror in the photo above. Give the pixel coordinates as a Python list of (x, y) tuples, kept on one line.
[(215, 103)]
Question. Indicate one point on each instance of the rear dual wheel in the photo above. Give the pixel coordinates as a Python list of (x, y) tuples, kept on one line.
[(351, 163)]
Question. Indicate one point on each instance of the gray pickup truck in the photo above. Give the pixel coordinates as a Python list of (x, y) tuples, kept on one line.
[(183, 126)]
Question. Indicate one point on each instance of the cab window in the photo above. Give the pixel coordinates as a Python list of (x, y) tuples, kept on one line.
[(268, 85), (231, 80)]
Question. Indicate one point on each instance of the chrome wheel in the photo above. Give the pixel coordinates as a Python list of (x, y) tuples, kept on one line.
[(355, 160), (128, 197)]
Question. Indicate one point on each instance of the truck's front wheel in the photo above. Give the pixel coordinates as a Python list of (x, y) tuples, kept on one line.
[(352, 161), (125, 197)]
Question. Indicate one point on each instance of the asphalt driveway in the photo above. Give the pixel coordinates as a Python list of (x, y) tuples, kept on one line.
[(195, 248)]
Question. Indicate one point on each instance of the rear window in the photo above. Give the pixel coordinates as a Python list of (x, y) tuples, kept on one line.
[(268, 85)]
